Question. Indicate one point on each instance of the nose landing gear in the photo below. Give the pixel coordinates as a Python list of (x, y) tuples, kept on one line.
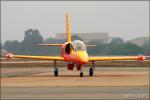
[(79, 68), (81, 72)]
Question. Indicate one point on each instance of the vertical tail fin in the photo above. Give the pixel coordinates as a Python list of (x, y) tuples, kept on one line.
[(68, 35)]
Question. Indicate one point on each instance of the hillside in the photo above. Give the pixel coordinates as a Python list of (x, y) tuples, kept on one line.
[(139, 41)]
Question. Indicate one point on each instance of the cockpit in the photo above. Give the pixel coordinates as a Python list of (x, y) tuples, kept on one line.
[(78, 45)]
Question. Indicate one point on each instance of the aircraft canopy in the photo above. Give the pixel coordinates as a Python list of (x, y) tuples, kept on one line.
[(78, 45)]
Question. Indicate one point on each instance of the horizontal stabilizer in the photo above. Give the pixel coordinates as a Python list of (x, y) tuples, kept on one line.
[(91, 45), (49, 44)]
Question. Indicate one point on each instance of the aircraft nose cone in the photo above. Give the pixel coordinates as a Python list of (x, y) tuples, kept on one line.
[(84, 61), (83, 57)]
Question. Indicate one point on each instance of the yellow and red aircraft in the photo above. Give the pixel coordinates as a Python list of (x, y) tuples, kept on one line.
[(75, 54)]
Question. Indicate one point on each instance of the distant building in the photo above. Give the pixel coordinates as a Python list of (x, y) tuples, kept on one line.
[(104, 37)]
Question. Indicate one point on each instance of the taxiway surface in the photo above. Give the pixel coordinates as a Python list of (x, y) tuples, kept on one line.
[(107, 83)]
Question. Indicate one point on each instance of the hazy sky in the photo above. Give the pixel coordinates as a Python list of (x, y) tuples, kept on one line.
[(126, 19)]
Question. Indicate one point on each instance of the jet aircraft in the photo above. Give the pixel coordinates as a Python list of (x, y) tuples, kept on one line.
[(75, 55)]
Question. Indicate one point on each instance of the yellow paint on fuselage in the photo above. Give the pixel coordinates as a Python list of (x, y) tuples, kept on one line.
[(79, 57)]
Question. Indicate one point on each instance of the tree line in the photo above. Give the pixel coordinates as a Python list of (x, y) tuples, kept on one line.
[(32, 37)]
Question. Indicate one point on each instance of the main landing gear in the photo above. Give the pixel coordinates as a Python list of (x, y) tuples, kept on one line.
[(55, 69), (91, 70), (79, 67)]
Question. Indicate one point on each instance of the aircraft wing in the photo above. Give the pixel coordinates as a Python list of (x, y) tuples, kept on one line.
[(110, 58), (58, 58)]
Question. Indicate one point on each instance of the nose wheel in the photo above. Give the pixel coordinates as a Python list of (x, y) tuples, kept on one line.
[(81, 72), (79, 67)]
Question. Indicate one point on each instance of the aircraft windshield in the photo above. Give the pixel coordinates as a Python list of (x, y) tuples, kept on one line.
[(78, 45)]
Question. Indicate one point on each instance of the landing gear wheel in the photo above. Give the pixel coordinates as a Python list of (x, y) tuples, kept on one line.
[(56, 72), (91, 72), (81, 74)]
